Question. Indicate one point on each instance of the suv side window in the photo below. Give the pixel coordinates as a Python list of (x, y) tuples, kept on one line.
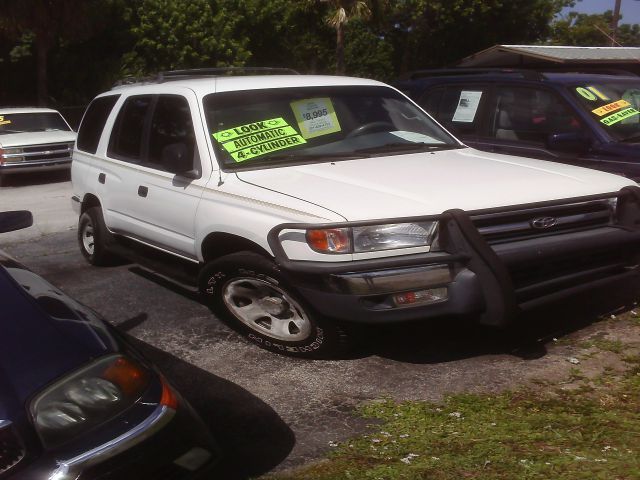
[(460, 109), (128, 130), (171, 124), (529, 115), (93, 123)]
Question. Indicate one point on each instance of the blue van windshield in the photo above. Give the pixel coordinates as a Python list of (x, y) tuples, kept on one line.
[(615, 105)]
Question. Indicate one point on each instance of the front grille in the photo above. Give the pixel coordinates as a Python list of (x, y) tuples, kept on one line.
[(11, 450), (38, 153), (536, 222)]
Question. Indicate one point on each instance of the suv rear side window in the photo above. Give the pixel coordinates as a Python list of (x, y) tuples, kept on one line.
[(529, 115), (93, 123), (171, 124), (128, 130)]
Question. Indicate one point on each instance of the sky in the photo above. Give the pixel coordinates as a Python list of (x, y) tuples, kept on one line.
[(630, 9)]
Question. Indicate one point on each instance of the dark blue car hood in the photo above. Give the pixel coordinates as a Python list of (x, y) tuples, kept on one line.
[(44, 335)]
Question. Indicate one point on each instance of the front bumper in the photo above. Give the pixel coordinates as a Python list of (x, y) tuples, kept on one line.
[(494, 282), (35, 166)]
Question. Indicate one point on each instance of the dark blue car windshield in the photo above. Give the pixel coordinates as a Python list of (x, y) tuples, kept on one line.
[(614, 104)]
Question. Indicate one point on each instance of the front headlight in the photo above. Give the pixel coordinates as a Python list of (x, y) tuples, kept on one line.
[(398, 235), (88, 398), (372, 238)]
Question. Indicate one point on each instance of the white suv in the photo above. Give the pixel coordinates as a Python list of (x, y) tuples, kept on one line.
[(299, 203), (34, 139)]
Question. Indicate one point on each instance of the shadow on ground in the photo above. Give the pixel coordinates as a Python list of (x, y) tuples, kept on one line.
[(254, 439), (452, 339), (35, 178)]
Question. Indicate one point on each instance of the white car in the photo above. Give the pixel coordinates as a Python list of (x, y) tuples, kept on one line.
[(34, 139), (298, 204)]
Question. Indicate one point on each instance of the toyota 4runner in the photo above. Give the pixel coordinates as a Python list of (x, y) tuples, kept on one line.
[(298, 203)]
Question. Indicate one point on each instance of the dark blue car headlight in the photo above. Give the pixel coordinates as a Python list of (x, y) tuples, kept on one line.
[(88, 398)]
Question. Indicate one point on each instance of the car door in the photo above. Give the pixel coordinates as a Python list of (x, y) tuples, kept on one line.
[(522, 120), (159, 204)]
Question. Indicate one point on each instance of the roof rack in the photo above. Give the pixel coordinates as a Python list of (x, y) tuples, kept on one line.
[(441, 72), (173, 75), (199, 72)]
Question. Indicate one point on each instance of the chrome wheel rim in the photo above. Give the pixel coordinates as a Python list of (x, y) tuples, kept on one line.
[(266, 308), (88, 240)]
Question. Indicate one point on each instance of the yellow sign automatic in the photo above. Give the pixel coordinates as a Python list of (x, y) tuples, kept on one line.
[(252, 140)]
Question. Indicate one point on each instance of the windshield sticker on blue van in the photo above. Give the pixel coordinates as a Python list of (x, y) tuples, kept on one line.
[(256, 139), (3, 121), (591, 93), (619, 116), (611, 107)]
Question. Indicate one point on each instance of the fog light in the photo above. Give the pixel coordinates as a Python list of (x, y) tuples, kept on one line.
[(421, 297)]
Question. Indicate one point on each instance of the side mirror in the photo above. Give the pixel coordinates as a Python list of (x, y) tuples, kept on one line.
[(16, 220), (176, 159), (572, 142)]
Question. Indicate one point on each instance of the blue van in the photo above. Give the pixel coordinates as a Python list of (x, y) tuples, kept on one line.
[(585, 119)]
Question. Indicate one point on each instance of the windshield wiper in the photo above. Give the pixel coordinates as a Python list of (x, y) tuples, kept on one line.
[(302, 158), (3, 132), (401, 147)]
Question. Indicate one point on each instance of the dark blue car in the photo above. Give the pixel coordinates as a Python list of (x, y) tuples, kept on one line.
[(585, 119), (76, 400)]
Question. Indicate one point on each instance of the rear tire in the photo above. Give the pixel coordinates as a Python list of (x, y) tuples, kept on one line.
[(248, 292), (93, 238)]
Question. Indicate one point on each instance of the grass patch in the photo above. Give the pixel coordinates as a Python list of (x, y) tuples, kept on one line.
[(589, 433), (604, 344)]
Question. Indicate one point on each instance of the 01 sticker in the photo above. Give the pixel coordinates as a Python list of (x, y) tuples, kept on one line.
[(3, 121)]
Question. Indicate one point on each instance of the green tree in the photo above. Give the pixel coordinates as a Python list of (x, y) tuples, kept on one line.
[(429, 33), (176, 34), (581, 29), (291, 33), (49, 22)]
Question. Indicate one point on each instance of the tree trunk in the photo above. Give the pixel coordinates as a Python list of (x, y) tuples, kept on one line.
[(340, 48), (42, 50)]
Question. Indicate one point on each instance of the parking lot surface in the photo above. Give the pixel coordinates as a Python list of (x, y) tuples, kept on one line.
[(271, 411)]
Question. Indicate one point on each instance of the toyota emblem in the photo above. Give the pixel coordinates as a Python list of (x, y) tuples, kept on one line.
[(543, 222)]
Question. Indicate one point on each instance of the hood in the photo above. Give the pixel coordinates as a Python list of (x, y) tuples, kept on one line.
[(430, 183), (43, 336), (36, 138)]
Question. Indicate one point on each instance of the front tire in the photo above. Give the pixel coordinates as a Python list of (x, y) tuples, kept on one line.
[(93, 238), (247, 291)]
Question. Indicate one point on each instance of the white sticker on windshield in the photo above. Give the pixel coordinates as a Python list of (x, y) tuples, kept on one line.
[(415, 137), (316, 117), (467, 106)]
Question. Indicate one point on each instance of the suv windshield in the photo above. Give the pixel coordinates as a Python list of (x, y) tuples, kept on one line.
[(32, 122), (615, 105), (316, 124)]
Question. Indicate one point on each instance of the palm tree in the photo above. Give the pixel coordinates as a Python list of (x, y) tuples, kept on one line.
[(341, 11)]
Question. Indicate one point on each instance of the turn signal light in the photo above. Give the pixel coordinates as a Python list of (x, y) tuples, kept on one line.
[(331, 240), (422, 297)]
